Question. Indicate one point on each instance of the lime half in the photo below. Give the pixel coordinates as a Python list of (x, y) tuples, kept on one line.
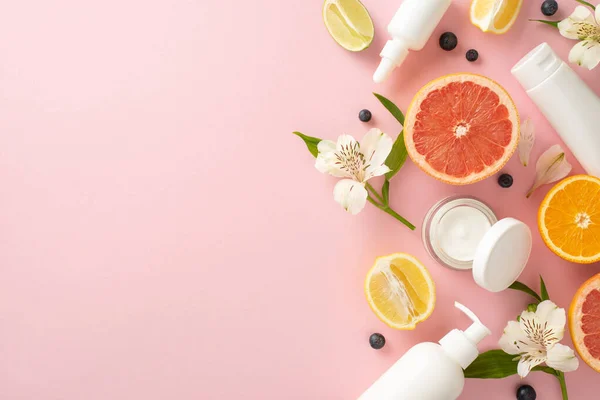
[(349, 23)]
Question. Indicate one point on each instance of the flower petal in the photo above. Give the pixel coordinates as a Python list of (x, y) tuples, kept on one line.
[(591, 57), (583, 14), (550, 313), (533, 330), (376, 171), (579, 24), (597, 14), (345, 141), (562, 358), (351, 195), (577, 53), (528, 361), (514, 340), (568, 29), (326, 146), (551, 167), (585, 54), (376, 147), (326, 160), (527, 141), (553, 319)]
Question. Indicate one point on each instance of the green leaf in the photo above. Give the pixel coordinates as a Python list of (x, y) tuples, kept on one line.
[(524, 288), (496, 364), (493, 364), (311, 143), (585, 3), (397, 157), (392, 108), (551, 23), (385, 191), (543, 290), (547, 370)]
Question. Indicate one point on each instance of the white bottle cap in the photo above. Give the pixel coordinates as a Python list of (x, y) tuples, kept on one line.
[(537, 66), (502, 254), (393, 54), (462, 346)]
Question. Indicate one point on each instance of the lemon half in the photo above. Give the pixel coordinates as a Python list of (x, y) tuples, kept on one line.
[(495, 16), (349, 23), (400, 291)]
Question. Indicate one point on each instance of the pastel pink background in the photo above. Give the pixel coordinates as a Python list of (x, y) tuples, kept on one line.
[(165, 236)]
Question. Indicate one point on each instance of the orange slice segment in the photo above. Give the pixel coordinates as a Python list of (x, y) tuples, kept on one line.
[(569, 219)]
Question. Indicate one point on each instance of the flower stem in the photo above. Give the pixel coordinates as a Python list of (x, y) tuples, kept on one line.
[(391, 212), (400, 218), (372, 190), (374, 202), (563, 385)]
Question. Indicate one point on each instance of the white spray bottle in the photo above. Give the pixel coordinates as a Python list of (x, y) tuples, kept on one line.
[(410, 29), (432, 371)]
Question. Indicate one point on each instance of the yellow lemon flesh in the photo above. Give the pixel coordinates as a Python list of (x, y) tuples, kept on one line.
[(349, 23), (496, 16), (400, 291)]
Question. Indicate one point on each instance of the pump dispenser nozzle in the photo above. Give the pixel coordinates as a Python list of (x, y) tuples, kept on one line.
[(477, 331), (461, 346)]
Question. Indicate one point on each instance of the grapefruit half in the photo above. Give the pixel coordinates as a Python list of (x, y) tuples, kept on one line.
[(461, 128), (584, 322)]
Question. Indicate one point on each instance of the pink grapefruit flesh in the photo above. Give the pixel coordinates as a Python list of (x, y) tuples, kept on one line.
[(461, 128), (584, 322)]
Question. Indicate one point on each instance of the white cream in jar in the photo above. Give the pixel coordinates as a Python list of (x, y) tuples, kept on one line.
[(463, 233), (454, 228)]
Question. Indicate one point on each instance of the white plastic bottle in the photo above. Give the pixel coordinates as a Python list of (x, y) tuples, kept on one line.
[(410, 29), (431, 371), (570, 106)]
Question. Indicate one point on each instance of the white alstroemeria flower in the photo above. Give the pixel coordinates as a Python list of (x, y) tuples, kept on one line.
[(357, 163), (535, 340), (583, 25)]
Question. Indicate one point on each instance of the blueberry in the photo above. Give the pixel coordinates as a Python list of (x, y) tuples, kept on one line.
[(472, 55), (505, 180), (364, 115), (448, 41), (549, 7), (526, 392), (377, 341)]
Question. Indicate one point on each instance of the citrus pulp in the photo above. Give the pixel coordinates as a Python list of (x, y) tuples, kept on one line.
[(400, 291), (495, 16), (584, 322), (569, 219), (349, 23), (461, 128)]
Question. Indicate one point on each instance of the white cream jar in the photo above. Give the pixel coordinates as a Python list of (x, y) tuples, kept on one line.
[(462, 232)]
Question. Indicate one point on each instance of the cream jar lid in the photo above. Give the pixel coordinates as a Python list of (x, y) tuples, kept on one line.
[(502, 254)]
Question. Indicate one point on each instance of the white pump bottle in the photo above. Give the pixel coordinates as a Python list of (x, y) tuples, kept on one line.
[(410, 29), (431, 371)]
